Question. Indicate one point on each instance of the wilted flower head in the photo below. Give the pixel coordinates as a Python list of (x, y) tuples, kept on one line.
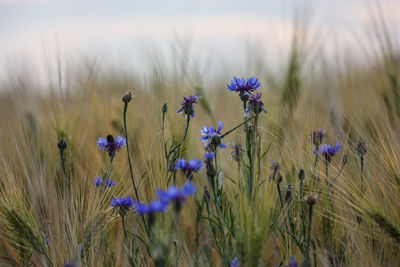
[(110, 145), (127, 97), (175, 195), (242, 86), (237, 152), (361, 148), (235, 262), (211, 137), (317, 137), (288, 196), (255, 104), (189, 167), (327, 151), (311, 199), (187, 105), (292, 263)]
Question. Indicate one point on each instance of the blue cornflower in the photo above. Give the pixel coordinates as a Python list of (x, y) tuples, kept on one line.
[(208, 158), (211, 137), (107, 183), (98, 181), (187, 105), (175, 195), (255, 104), (244, 87), (292, 263), (327, 151), (122, 202), (151, 208), (235, 262), (189, 167), (110, 145)]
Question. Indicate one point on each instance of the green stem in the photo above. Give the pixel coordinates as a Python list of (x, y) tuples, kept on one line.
[(309, 232), (315, 168)]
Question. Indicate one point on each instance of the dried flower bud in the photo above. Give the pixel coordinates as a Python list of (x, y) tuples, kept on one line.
[(127, 97), (361, 148), (62, 144), (275, 167), (311, 199), (206, 194), (164, 108), (288, 196), (302, 174)]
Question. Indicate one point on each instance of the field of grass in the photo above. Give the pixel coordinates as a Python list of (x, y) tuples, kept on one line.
[(253, 205)]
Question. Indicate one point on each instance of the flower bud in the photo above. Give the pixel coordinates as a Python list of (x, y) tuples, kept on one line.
[(302, 175), (164, 108), (127, 97), (62, 144)]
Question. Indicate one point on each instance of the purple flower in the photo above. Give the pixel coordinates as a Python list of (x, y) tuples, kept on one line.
[(175, 195), (208, 158), (153, 207), (255, 104), (110, 145), (242, 86), (109, 183), (211, 137), (235, 262), (122, 202), (187, 105), (98, 181), (292, 263), (189, 167), (327, 151)]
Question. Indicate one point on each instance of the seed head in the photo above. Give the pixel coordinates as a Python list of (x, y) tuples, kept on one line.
[(311, 199)]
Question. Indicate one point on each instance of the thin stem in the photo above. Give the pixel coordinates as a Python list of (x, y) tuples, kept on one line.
[(309, 232), (253, 155), (129, 157), (315, 168), (237, 126)]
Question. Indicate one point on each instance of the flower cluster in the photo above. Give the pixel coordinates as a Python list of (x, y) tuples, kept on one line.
[(187, 105), (123, 204), (189, 167), (327, 151), (107, 183), (245, 89), (110, 144), (211, 137)]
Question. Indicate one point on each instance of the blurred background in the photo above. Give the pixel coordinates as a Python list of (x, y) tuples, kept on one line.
[(47, 39)]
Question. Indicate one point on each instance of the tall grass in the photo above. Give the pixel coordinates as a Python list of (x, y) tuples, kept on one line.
[(51, 213)]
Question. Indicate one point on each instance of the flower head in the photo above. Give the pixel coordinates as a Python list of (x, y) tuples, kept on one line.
[(235, 262), (127, 97), (327, 151), (62, 144), (211, 137), (208, 158), (187, 105), (189, 167), (175, 195), (255, 104), (242, 86), (110, 144), (155, 206), (107, 183), (122, 202), (292, 263), (361, 148)]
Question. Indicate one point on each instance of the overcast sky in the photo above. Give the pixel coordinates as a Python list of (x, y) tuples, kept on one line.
[(30, 30)]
